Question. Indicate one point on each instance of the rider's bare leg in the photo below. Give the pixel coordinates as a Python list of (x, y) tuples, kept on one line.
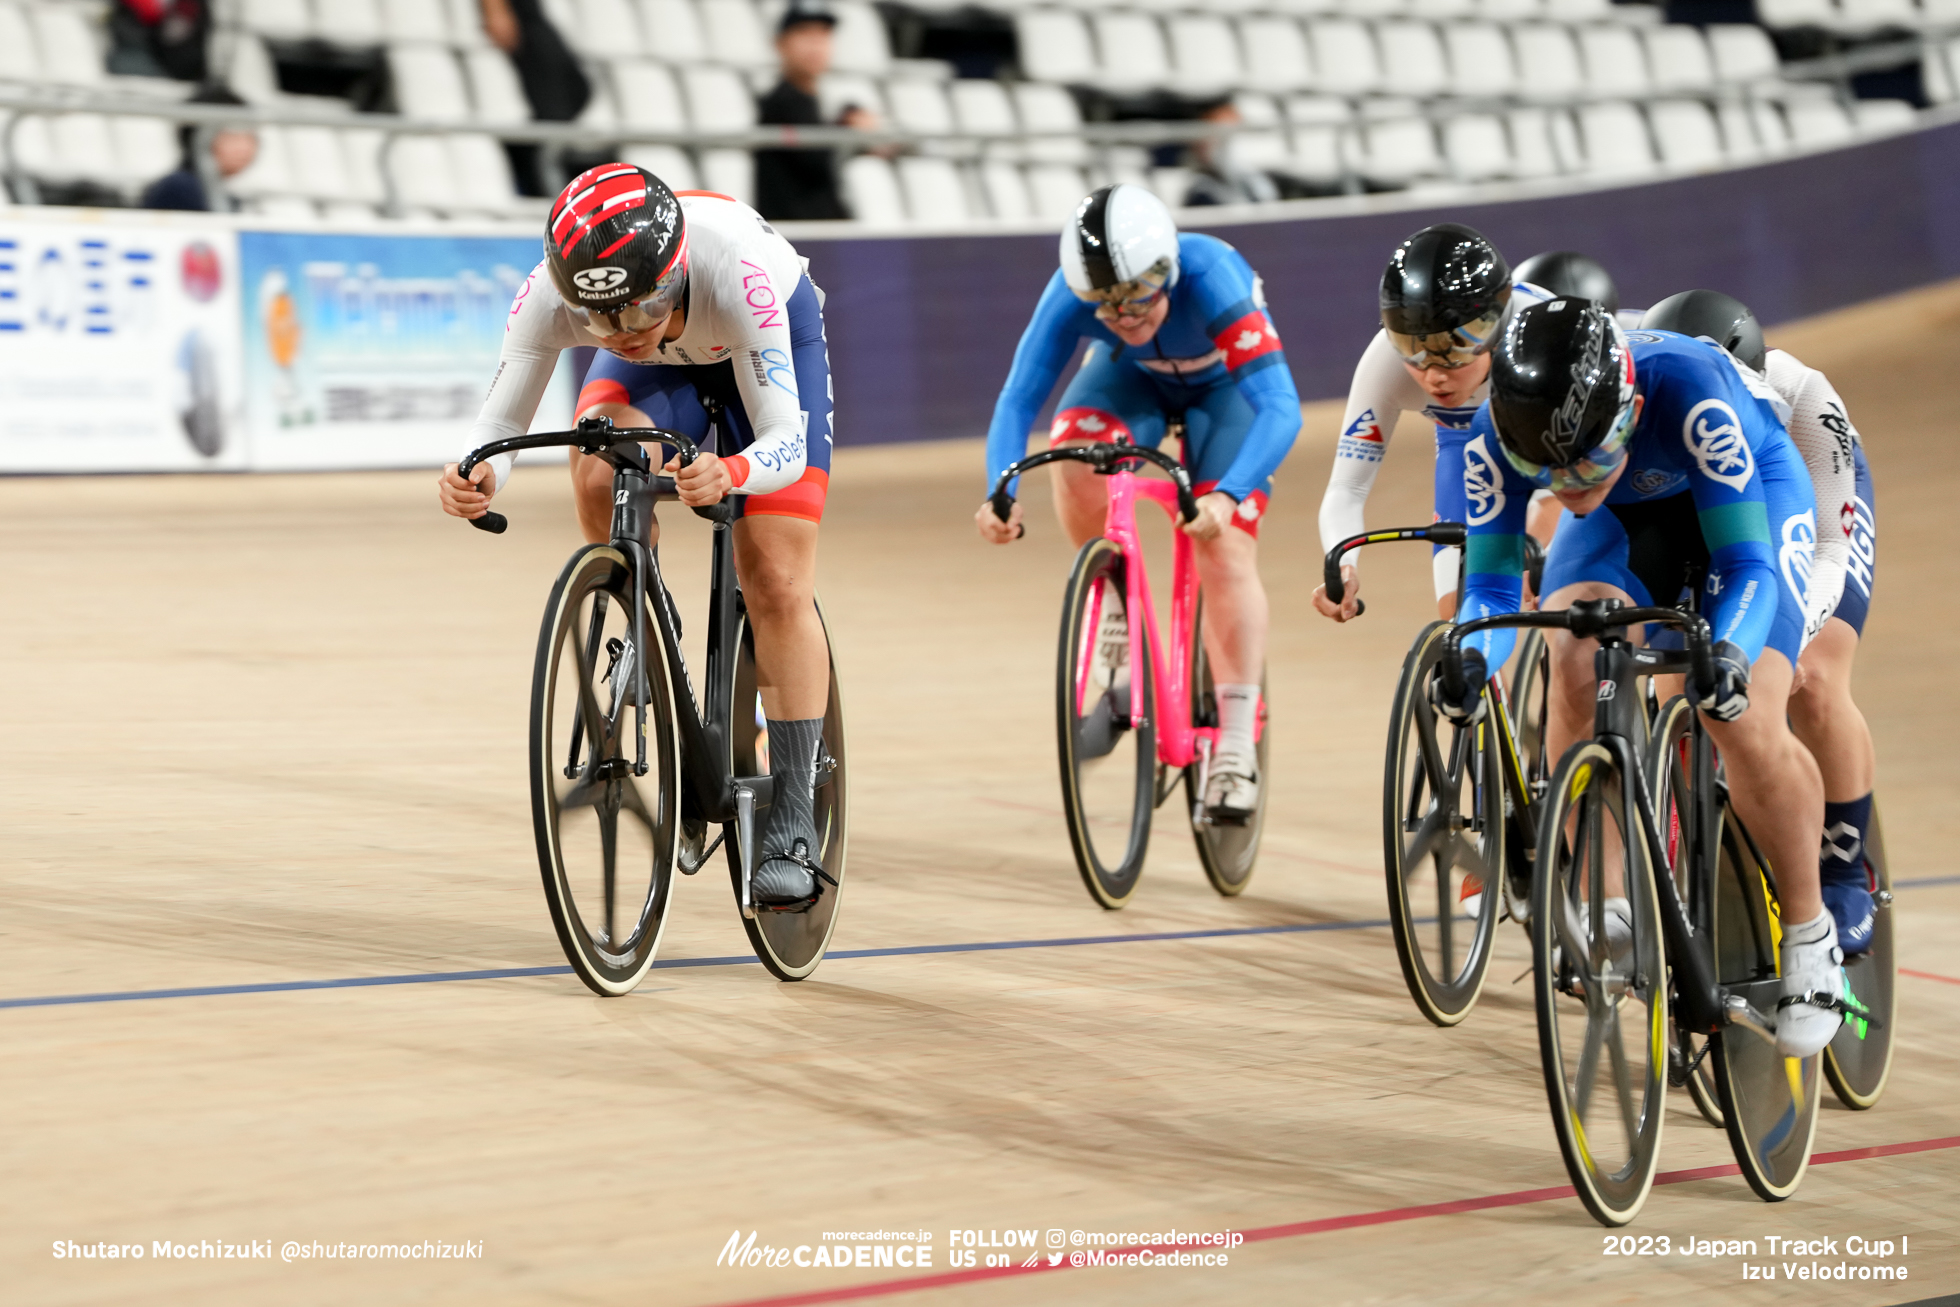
[(776, 559), (1235, 606), (1081, 498), (1828, 722), (1775, 786)]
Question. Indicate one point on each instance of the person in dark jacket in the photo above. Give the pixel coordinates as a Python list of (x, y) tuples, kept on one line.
[(792, 184), (232, 152)]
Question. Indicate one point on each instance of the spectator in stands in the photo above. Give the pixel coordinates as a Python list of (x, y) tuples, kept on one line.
[(803, 183), (1216, 177), (160, 38), (232, 150), (554, 84)]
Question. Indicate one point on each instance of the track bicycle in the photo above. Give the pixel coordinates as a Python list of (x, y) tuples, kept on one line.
[(1459, 802), (1120, 756), (628, 770), (1642, 808)]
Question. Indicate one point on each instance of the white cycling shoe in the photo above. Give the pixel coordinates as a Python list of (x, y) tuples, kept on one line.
[(1231, 788), (1812, 1007), (1619, 935)]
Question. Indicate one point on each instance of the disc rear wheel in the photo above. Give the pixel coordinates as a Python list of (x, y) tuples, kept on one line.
[(1859, 1059), (1228, 850)]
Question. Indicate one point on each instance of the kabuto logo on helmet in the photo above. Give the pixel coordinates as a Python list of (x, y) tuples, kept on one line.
[(1563, 436), (600, 281)]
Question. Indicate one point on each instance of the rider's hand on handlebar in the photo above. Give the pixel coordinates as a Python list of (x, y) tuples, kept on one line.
[(993, 530), (470, 498), (1346, 610), (1214, 515), (702, 482), (1728, 698), (1471, 706)]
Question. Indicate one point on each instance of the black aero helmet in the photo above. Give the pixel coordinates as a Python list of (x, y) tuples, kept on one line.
[(1561, 393), (1564, 272), (1724, 319), (616, 244), (1443, 294)]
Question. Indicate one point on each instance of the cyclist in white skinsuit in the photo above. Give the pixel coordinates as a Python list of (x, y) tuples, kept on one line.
[(695, 297), (1456, 287)]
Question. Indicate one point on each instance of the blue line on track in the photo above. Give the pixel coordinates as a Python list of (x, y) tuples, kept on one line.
[(509, 973)]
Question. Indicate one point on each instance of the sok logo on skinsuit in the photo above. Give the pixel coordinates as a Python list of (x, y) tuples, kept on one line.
[(1483, 484), (1717, 444), (1799, 549)]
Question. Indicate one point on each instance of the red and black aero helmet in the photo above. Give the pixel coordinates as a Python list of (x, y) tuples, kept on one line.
[(616, 243)]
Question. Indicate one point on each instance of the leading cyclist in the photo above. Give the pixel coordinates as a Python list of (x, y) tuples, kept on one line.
[(694, 296), (1177, 326), (1671, 461)]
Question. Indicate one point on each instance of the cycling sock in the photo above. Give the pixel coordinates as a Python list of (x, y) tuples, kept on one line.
[(1809, 932), (1844, 838), (1238, 706), (793, 763)]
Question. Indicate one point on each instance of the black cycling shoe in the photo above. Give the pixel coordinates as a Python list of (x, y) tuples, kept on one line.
[(787, 881)]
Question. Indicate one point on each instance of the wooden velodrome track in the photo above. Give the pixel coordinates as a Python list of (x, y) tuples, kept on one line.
[(266, 730)]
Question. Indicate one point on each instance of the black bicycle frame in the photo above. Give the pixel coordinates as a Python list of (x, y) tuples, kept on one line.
[(1619, 725), (711, 793), (1105, 459)]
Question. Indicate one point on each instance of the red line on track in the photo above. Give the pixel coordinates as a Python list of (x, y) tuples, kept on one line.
[(1929, 975), (1518, 1198)]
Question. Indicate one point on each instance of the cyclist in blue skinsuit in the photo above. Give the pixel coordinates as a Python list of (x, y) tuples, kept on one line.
[(1675, 470), (1177, 326)]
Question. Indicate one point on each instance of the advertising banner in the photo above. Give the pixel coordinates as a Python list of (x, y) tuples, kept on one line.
[(375, 350), (119, 346)]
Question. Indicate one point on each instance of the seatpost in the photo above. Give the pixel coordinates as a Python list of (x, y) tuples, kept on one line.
[(632, 518)]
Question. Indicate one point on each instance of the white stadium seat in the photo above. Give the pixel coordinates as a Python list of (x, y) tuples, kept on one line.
[(1323, 138), (349, 22), (1686, 134), (1412, 58), (919, 105), (673, 31), (1742, 53), (416, 20), (1132, 51), (717, 100), (1884, 115), (837, 92), (1740, 143), (481, 171), (861, 45), (69, 52), (1397, 151), (730, 173), (1206, 53), (1345, 56), (1583, 11), (667, 162), (83, 147), (1797, 13), (1615, 63), (1259, 150), (420, 168), (1371, 9), (146, 148), (607, 29), (1006, 191), (1481, 62), (1866, 16), (1056, 189), (466, 23), (735, 34), (283, 208), (1615, 139), (495, 93), (429, 83), (1435, 11), (1771, 130), (1536, 145), (289, 20), (1055, 46), (360, 153), (319, 167), (872, 192), (1512, 11), (1678, 58), (982, 105), (1818, 124), (934, 191), (18, 61), (648, 96), (1477, 147), (270, 173), (1548, 61), (248, 69), (1049, 108), (1276, 54)]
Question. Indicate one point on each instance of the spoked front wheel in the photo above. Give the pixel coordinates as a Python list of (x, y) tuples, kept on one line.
[(1859, 1059), (1670, 764), (606, 836), (1228, 850), (1108, 749), (791, 944), (1600, 986), (1443, 841)]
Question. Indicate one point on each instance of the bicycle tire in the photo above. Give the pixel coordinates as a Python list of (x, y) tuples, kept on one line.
[(1091, 728), (1769, 1102), (1590, 786), (592, 597), (1529, 699), (1421, 824), (1228, 853), (1858, 1063), (1669, 769), (791, 944)]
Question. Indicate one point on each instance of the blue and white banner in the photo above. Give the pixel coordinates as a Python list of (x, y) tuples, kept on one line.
[(119, 344)]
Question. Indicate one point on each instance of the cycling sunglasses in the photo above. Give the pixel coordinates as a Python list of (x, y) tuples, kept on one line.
[(1133, 299), (644, 314), (1590, 471), (1448, 350)]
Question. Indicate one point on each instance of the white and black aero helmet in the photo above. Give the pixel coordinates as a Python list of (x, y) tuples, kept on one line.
[(1120, 245)]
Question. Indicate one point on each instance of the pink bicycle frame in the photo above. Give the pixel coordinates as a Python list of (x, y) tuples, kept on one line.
[(1178, 741)]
